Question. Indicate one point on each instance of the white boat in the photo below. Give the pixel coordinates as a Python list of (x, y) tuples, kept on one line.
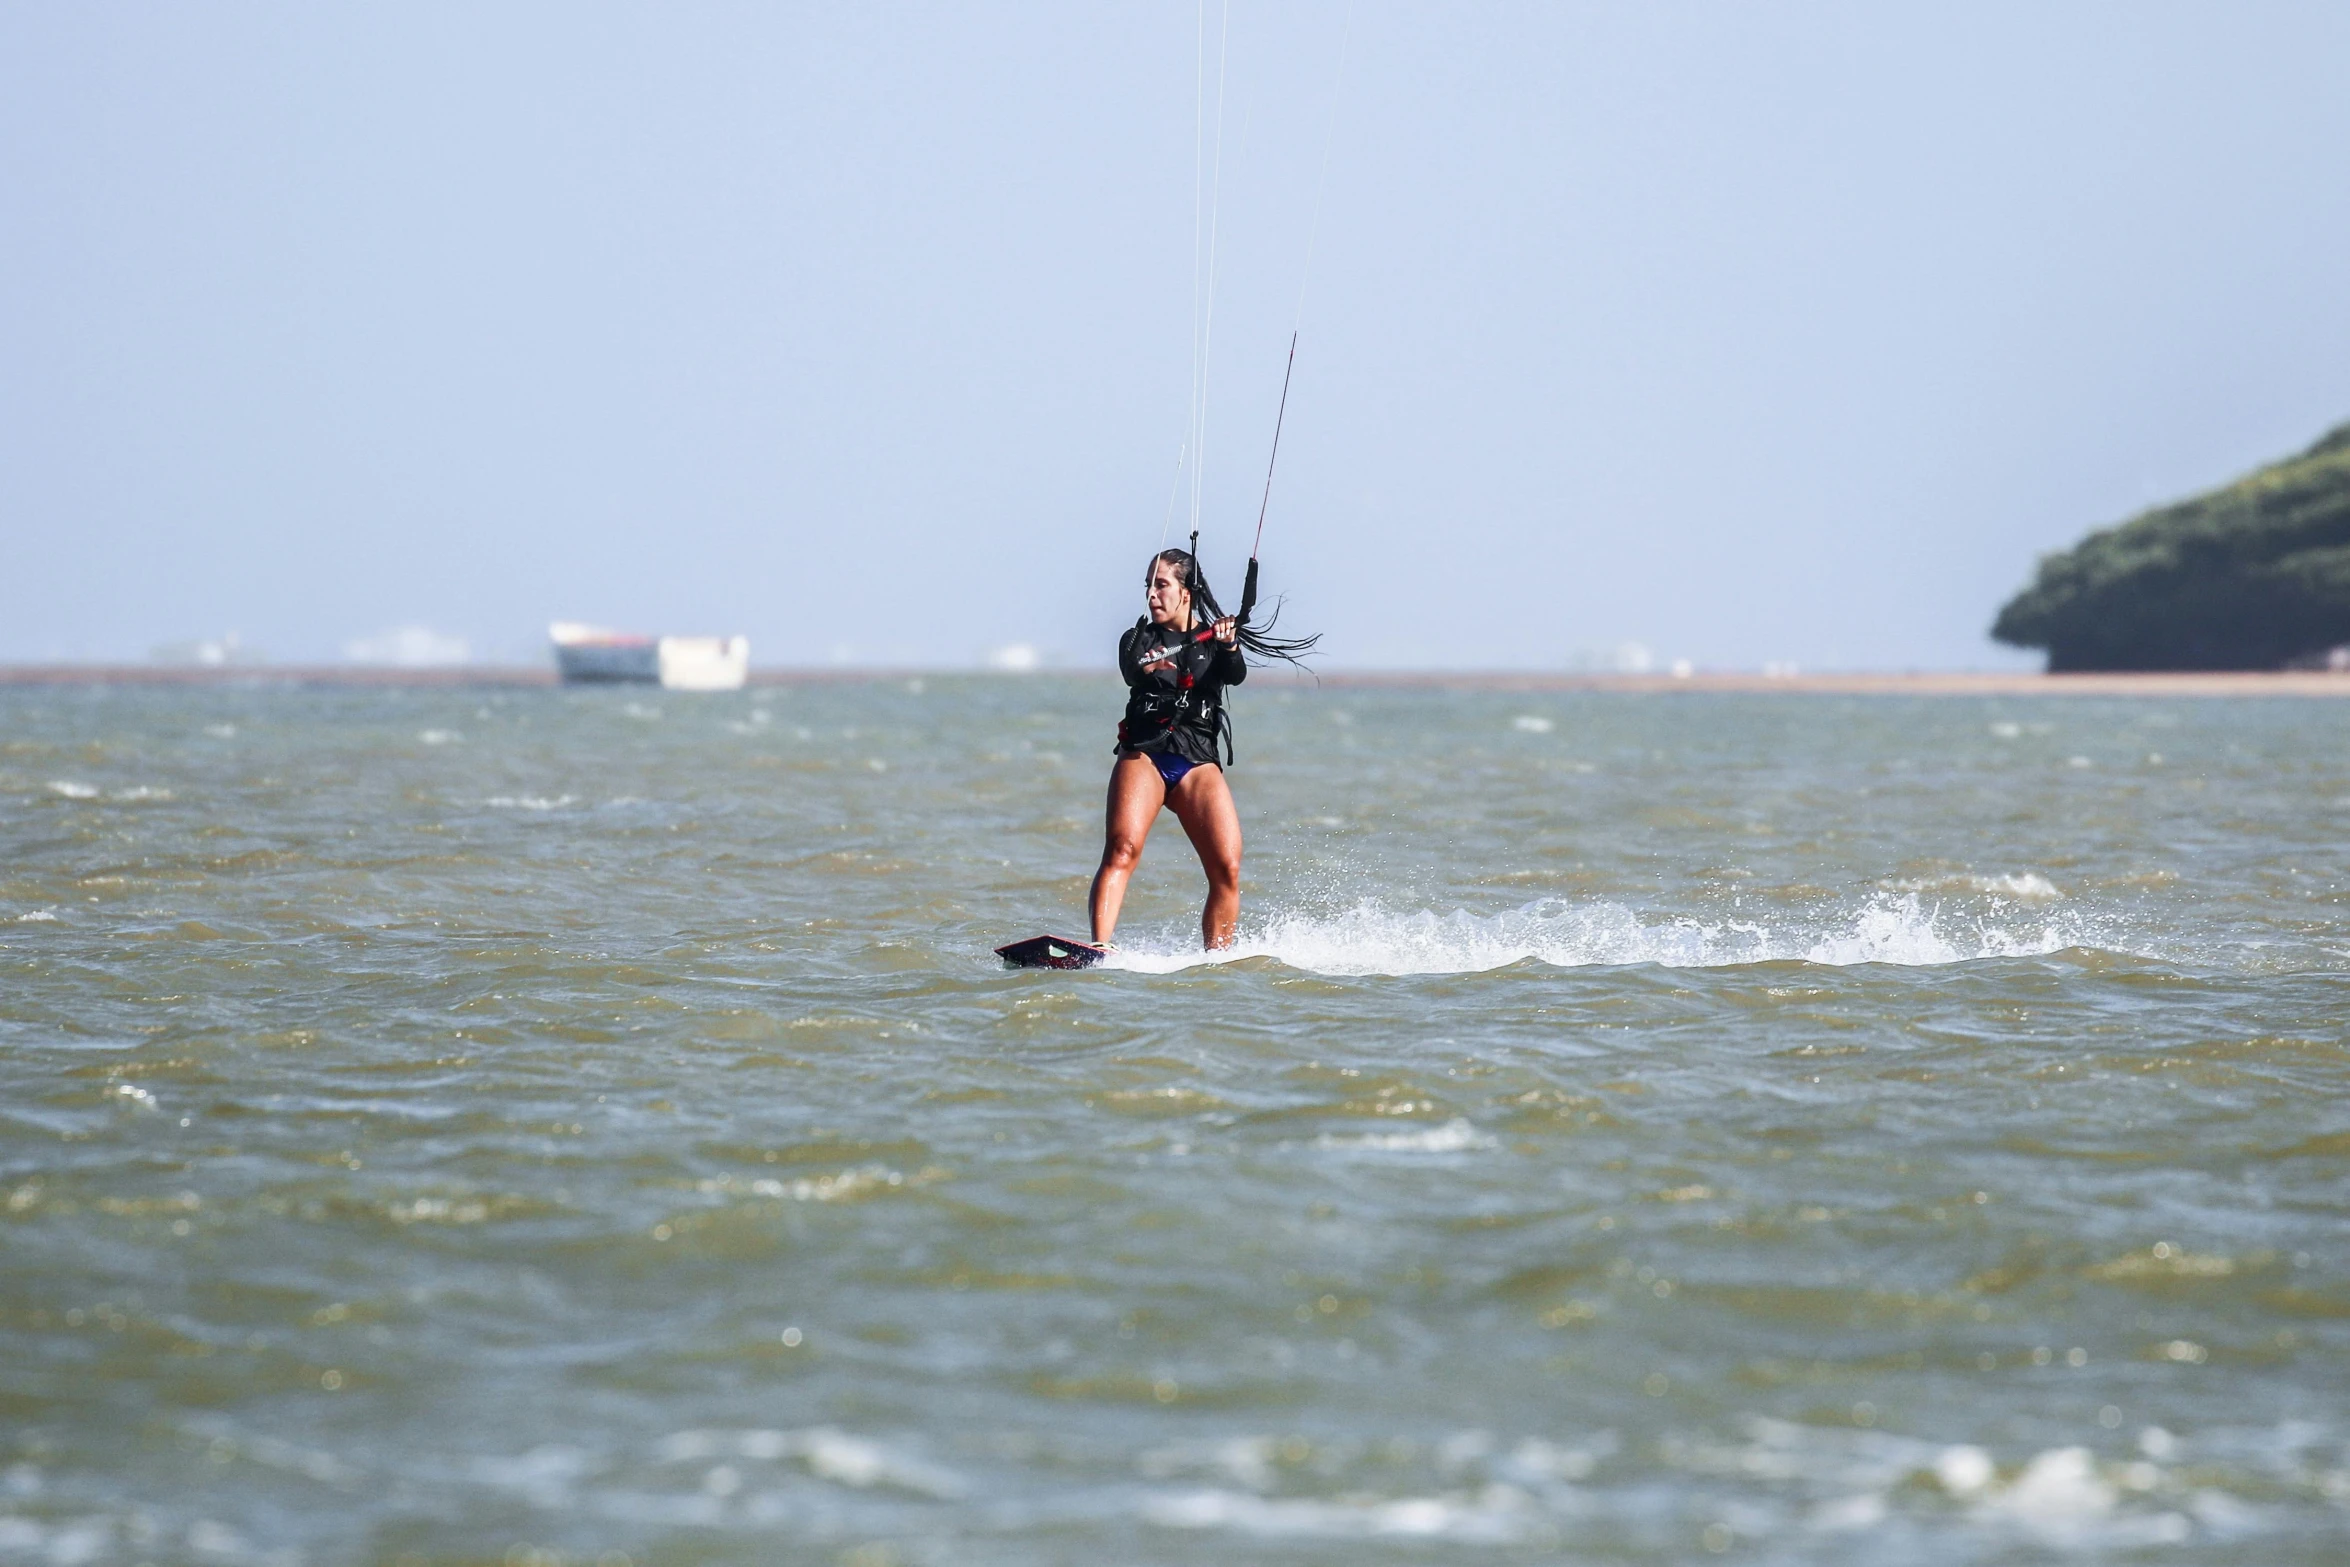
[(595, 655)]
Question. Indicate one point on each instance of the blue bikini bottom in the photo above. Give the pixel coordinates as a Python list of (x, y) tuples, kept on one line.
[(1171, 767)]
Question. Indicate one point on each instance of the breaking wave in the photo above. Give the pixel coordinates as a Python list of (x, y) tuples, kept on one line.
[(1372, 939)]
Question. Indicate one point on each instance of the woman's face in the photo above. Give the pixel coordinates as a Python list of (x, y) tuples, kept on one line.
[(1170, 600)]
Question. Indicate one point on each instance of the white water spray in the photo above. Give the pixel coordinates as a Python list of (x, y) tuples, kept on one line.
[(1370, 938)]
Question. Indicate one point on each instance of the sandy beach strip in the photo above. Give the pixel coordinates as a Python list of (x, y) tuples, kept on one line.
[(1861, 683)]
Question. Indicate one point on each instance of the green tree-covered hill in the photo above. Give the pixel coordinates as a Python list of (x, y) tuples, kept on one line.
[(2249, 576)]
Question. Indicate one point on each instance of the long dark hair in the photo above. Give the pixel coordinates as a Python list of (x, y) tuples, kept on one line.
[(1206, 611)]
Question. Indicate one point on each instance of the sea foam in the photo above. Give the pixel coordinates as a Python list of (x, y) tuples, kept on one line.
[(1454, 1136), (1370, 938)]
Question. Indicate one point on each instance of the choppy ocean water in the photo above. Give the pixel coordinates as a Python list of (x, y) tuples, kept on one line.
[(534, 1126)]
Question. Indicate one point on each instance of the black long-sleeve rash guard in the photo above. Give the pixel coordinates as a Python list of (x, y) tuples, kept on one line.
[(1175, 696)]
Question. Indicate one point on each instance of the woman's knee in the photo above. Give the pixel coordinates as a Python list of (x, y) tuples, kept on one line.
[(1121, 853), (1223, 871)]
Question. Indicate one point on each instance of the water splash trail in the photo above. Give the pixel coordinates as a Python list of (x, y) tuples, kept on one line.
[(1370, 938)]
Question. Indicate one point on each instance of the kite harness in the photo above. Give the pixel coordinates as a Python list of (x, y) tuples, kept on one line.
[(1175, 698)]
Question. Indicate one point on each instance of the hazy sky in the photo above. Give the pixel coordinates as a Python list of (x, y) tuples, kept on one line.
[(1754, 332)]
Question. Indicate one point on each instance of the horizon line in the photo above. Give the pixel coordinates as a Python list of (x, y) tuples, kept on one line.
[(1912, 682)]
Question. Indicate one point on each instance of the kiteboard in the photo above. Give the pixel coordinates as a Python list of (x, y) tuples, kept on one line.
[(1051, 952)]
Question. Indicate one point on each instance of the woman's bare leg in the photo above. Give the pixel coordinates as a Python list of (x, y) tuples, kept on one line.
[(1136, 793), (1203, 804)]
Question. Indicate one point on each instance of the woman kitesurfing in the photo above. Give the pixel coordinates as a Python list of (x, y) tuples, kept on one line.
[(1179, 659), (1176, 738)]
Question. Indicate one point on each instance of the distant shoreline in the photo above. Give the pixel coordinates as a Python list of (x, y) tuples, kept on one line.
[(2296, 683)]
